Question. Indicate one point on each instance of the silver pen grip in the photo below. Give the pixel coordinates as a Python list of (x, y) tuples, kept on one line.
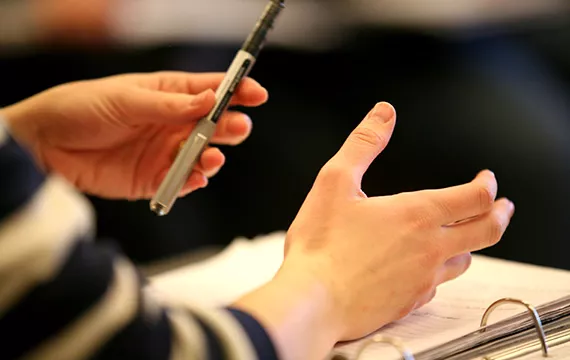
[(170, 188), (179, 172)]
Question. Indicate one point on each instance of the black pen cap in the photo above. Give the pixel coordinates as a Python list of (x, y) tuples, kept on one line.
[(257, 38)]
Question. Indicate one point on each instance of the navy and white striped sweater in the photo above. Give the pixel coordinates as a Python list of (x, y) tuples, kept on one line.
[(64, 297)]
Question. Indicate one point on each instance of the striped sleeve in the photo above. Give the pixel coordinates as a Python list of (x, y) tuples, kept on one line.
[(65, 297)]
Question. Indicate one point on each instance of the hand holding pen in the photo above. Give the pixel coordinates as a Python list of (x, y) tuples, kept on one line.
[(188, 156)]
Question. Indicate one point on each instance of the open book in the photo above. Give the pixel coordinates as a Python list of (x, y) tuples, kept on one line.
[(446, 328)]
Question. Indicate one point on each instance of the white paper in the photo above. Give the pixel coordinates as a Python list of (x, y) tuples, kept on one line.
[(243, 266)]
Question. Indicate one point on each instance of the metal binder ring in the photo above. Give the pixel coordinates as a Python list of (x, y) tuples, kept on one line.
[(377, 339), (531, 310)]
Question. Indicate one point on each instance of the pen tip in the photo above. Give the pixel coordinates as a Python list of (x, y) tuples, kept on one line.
[(158, 208)]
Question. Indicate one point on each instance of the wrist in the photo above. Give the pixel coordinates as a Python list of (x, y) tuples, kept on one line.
[(298, 314)]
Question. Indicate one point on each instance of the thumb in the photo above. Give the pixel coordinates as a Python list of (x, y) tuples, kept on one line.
[(144, 106), (367, 141)]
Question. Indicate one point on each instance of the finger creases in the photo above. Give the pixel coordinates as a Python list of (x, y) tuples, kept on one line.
[(366, 141), (248, 93)]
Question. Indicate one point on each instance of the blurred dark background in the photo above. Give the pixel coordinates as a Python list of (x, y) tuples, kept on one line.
[(476, 84)]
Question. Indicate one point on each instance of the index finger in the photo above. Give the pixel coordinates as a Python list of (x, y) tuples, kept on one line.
[(462, 202), (248, 93)]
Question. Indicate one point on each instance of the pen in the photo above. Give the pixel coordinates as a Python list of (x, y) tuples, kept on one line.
[(178, 174)]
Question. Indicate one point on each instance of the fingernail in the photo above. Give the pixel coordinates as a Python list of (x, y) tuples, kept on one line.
[(383, 112), (249, 124)]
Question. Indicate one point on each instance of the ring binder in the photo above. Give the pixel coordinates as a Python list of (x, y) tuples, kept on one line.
[(531, 310), (551, 321), (377, 339)]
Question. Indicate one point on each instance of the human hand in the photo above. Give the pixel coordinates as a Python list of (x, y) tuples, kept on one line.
[(382, 257), (355, 263), (117, 137)]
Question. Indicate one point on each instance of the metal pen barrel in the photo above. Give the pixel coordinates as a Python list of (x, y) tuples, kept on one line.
[(188, 157)]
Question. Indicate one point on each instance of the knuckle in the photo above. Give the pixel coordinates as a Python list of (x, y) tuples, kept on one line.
[(416, 212), (442, 208), (367, 136), (422, 220), (332, 173)]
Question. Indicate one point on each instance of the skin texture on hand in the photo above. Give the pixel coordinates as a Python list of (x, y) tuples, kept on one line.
[(355, 263), (117, 137)]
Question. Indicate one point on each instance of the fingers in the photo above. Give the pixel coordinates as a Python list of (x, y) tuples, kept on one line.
[(248, 93), (179, 109), (210, 164), (481, 232), (143, 106), (365, 143), (195, 182), (232, 129), (425, 299), (464, 201), (451, 270)]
